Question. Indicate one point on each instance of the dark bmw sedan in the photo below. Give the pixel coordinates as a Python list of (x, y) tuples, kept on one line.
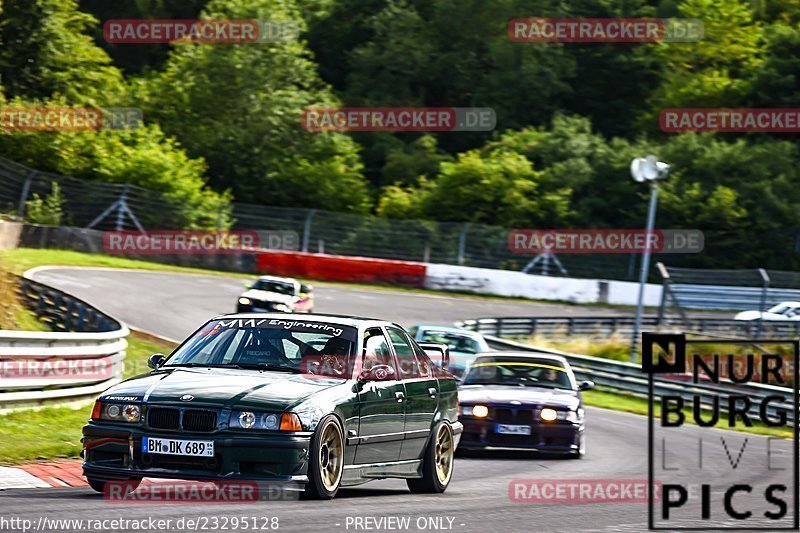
[(523, 400), (317, 401)]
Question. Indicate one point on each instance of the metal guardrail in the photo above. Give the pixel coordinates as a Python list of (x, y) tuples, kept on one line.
[(82, 358), (629, 378), (597, 327)]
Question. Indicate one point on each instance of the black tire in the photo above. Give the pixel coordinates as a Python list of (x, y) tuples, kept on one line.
[(99, 485), (440, 450), (325, 463)]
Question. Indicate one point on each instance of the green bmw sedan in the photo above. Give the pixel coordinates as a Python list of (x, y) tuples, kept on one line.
[(316, 401)]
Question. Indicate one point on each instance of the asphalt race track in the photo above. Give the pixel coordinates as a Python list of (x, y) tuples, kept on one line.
[(174, 305), (478, 497)]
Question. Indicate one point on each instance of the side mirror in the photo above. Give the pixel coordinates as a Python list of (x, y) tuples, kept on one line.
[(306, 289), (377, 373), (156, 360), (586, 385), (438, 352)]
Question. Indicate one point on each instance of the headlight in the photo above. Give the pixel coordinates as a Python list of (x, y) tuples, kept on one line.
[(247, 419), (120, 412), (548, 415), (254, 420), (131, 413), (282, 307), (244, 301), (480, 411)]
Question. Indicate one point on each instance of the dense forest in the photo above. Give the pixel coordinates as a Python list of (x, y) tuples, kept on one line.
[(221, 121)]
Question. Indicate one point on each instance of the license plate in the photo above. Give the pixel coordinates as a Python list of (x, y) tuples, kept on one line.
[(512, 430), (193, 448)]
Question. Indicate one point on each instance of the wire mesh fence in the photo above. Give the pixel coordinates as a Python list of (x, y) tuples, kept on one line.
[(119, 206)]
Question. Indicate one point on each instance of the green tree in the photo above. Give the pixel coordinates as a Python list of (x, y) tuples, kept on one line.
[(714, 71), (47, 52), (497, 187), (47, 211), (141, 156), (240, 107)]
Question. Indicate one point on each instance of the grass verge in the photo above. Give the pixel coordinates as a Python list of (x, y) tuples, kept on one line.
[(55, 432), (639, 406)]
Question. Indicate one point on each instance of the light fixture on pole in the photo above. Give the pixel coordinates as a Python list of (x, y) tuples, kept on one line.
[(646, 169)]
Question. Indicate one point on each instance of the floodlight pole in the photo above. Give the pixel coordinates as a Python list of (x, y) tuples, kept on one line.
[(651, 221)]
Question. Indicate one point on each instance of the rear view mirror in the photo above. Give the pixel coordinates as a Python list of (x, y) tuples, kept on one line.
[(156, 360), (438, 352), (586, 385)]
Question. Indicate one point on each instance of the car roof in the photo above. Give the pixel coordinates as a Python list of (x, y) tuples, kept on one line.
[(344, 320), (521, 355)]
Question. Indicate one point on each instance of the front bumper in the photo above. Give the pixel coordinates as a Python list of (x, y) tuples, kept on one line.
[(560, 437), (114, 453)]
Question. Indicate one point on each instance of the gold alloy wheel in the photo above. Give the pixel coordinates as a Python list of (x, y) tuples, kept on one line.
[(444, 454), (331, 456)]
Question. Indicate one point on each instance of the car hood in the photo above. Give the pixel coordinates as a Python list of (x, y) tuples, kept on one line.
[(267, 296), (220, 388), (528, 396)]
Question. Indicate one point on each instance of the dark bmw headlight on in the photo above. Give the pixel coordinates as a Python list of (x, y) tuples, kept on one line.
[(548, 414), (117, 412), (244, 301), (254, 420), (478, 411)]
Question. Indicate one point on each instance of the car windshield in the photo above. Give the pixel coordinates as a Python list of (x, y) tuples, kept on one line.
[(274, 286), (523, 372), (266, 343), (780, 309), (456, 341)]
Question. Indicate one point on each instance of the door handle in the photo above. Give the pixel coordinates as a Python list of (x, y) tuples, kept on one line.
[(432, 392), (400, 396)]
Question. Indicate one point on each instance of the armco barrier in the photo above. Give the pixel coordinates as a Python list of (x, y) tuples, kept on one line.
[(340, 268), (603, 327), (83, 359), (629, 378)]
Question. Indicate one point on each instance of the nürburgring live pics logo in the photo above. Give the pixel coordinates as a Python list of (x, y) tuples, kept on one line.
[(712, 480)]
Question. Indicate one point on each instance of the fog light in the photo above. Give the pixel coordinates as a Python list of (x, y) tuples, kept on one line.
[(480, 411), (247, 419), (548, 415)]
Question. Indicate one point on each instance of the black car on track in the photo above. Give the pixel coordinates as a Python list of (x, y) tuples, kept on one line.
[(523, 400)]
